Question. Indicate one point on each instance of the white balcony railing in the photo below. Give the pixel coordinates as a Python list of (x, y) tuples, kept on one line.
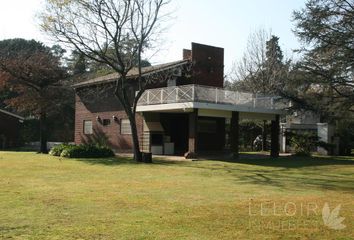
[(198, 93)]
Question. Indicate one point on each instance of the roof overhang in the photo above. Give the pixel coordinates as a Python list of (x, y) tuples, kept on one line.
[(12, 114), (132, 74), (212, 109)]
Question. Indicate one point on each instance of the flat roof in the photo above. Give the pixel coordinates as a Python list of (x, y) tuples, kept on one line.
[(189, 106)]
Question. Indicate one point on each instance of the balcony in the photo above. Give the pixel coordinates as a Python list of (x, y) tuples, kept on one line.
[(211, 95)]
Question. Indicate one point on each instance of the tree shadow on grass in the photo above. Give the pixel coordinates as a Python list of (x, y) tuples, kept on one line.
[(118, 160), (285, 173), (288, 161), (111, 161), (247, 159), (299, 179), (290, 173)]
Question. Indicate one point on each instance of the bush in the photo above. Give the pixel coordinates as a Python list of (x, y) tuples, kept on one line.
[(57, 150), (303, 143), (329, 147), (86, 151)]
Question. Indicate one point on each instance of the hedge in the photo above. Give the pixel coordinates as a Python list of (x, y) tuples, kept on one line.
[(81, 151)]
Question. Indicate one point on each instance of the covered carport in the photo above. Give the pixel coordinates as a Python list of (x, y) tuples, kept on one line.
[(200, 134)]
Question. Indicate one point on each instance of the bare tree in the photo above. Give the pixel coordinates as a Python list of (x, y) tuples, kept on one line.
[(261, 69), (246, 73), (111, 32)]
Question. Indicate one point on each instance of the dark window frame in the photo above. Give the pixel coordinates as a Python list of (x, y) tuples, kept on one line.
[(106, 122)]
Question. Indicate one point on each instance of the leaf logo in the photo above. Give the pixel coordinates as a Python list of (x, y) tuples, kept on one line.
[(331, 219)]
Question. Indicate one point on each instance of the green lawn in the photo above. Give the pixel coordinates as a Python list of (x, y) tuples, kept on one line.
[(44, 197)]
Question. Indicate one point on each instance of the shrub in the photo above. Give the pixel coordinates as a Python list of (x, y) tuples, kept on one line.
[(86, 151), (329, 147), (57, 150), (303, 143)]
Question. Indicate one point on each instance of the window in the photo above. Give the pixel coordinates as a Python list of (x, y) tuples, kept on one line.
[(88, 127), (125, 127), (106, 122)]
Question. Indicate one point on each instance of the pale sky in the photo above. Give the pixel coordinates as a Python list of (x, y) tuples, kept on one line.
[(221, 23)]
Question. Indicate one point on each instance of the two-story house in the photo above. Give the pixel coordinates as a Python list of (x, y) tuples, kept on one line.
[(187, 113)]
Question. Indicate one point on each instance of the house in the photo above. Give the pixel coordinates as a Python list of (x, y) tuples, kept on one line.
[(10, 125), (187, 113)]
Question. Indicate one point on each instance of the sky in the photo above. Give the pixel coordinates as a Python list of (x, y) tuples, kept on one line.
[(221, 23)]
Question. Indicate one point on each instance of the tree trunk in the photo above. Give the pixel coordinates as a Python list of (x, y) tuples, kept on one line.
[(135, 138), (235, 134), (43, 132), (122, 98)]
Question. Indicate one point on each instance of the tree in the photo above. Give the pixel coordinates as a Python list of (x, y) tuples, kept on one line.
[(261, 70), (325, 28), (262, 67), (275, 69), (114, 33), (322, 80), (34, 72), (246, 72), (78, 63)]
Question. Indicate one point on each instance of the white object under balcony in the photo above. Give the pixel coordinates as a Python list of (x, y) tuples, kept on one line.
[(188, 97)]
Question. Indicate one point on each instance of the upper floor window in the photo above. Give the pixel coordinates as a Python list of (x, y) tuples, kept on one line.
[(106, 122)]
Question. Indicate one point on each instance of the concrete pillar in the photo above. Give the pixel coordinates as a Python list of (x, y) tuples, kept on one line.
[(274, 152), (282, 137), (235, 134), (264, 136), (325, 133), (192, 134)]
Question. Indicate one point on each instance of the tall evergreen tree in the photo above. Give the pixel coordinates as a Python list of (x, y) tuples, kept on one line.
[(78, 63), (325, 74), (326, 29)]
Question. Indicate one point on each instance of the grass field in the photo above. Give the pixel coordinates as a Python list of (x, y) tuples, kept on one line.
[(44, 197)]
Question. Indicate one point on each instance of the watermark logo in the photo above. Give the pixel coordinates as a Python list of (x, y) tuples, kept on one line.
[(291, 216), (331, 219)]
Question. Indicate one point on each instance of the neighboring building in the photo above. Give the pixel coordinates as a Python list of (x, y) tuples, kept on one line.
[(307, 121), (188, 112), (10, 125)]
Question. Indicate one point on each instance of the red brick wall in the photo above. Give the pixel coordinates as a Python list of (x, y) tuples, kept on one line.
[(208, 68), (110, 133), (10, 128)]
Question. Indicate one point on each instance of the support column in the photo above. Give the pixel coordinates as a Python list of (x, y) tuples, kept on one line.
[(282, 136), (274, 152), (192, 135), (264, 136), (235, 134)]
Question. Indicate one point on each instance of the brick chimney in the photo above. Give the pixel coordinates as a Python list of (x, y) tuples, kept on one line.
[(208, 65)]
